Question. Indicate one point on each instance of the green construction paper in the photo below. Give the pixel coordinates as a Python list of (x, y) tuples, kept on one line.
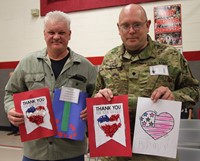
[(65, 117)]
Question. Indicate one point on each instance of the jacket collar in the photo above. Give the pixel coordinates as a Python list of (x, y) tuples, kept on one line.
[(73, 56), (146, 53)]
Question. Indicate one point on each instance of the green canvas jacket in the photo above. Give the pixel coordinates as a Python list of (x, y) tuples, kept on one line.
[(35, 72)]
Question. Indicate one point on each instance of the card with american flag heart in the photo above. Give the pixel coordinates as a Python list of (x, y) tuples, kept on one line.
[(157, 127)]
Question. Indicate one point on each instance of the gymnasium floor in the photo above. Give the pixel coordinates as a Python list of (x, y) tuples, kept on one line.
[(11, 148)]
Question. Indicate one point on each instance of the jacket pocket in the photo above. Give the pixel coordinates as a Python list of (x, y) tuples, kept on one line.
[(78, 82), (35, 80)]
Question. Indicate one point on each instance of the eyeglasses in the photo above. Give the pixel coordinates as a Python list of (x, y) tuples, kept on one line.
[(136, 26)]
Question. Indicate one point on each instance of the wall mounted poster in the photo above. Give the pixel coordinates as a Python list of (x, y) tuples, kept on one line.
[(167, 24), (38, 114), (157, 127), (109, 126)]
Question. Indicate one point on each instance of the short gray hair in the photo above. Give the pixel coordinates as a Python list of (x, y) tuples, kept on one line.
[(57, 16)]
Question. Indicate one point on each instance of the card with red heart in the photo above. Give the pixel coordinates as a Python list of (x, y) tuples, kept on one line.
[(109, 126), (39, 119)]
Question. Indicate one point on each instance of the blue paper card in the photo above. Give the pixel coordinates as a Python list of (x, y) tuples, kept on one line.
[(67, 117)]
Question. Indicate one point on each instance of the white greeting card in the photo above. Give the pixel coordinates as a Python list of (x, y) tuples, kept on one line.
[(157, 127)]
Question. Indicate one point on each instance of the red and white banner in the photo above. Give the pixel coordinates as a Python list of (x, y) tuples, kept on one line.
[(109, 126), (81, 5)]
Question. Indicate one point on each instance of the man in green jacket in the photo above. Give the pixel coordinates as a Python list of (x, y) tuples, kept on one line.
[(141, 67), (53, 67)]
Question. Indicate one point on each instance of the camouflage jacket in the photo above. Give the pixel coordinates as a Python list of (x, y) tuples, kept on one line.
[(130, 74)]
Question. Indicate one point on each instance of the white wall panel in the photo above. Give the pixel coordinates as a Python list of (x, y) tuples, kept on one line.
[(94, 32)]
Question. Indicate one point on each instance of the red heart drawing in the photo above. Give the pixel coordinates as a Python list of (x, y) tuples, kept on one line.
[(155, 125), (36, 115), (109, 125)]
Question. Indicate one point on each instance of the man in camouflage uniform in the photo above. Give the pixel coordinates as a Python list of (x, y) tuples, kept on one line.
[(142, 67)]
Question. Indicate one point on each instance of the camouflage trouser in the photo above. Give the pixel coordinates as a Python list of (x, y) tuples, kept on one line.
[(137, 157)]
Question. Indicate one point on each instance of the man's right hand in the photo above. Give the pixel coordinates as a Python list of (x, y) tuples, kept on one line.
[(106, 92), (15, 118)]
